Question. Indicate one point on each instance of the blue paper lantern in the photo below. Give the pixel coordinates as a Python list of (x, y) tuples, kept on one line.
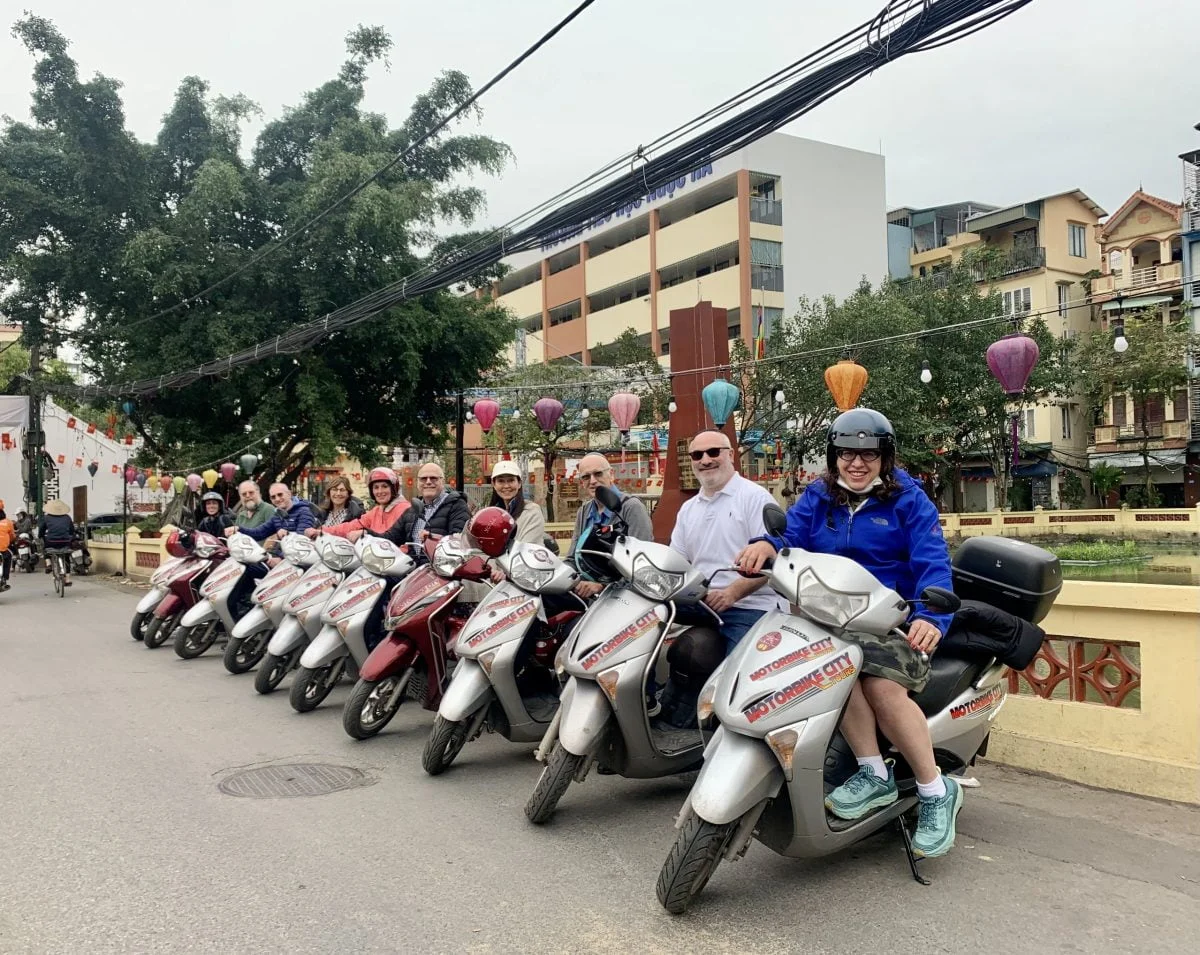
[(720, 399), (127, 407)]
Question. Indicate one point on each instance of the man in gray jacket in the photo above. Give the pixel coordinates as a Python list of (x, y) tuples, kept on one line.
[(594, 472)]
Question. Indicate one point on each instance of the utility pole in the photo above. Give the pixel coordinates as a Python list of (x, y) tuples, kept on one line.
[(35, 437), (459, 427)]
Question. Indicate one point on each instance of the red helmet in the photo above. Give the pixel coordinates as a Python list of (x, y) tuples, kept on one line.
[(175, 546), (491, 529), (385, 474)]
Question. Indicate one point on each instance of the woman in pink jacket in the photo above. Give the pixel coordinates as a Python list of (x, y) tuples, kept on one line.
[(389, 505)]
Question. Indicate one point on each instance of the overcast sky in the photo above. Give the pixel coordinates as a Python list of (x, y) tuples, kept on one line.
[(1100, 96)]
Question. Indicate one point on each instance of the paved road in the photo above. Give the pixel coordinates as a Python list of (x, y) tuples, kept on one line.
[(115, 838)]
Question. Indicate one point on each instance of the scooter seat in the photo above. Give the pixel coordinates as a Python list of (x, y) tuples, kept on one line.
[(948, 677)]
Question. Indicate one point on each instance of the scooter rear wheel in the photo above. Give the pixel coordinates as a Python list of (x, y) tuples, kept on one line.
[(446, 741), (242, 656), (692, 861), (310, 687), (370, 707), (158, 630), (272, 671), (191, 642), (561, 768)]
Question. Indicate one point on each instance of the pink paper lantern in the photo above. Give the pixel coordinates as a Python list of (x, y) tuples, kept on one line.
[(547, 411), (130, 475), (228, 470), (1011, 360), (194, 481), (623, 407), (486, 411)]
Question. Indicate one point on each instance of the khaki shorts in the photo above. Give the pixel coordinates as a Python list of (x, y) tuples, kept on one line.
[(893, 659)]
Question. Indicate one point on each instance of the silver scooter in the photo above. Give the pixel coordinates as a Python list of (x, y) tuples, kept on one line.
[(778, 700), (352, 622), (248, 642), (226, 598), (505, 677), (302, 610), (611, 655)]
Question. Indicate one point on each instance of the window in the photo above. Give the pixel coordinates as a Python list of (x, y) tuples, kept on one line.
[(766, 265), (1025, 422), (1064, 298), (1077, 240), (1018, 301), (1179, 402), (1118, 415), (1065, 412)]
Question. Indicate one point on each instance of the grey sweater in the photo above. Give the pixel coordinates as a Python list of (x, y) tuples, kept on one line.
[(632, 511)]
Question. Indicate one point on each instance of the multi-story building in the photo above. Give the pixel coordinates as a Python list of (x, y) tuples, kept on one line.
[(1048, 248), (781, 219), (1189, 228), (9, 331), (1142, 264)]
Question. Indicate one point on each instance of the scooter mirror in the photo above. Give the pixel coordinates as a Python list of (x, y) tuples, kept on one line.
[(609, 498), (940, 599), (774, 519)]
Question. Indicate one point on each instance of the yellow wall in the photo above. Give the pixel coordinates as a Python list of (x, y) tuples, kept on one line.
[(709, 229), (1052, 233), (606, 325), (720, 288), (524, 301), (618, 265), (1153, 750)]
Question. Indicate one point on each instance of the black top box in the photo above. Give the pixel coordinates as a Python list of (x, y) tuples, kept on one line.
[(1013, 575)]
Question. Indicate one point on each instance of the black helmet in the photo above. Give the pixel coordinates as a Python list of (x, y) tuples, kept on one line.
[(212, 496), (599, 540), (862, 429)]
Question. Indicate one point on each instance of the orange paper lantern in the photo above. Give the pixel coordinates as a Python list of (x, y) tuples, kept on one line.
[(70, 422), (62, 459), (91, 428), (846, 381), (114, 469)]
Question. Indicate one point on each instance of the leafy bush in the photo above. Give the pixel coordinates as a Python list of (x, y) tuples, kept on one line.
[(1097, 550)]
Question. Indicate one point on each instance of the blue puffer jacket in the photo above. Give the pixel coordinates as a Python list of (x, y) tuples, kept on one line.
[(299, 518), (898, 540)]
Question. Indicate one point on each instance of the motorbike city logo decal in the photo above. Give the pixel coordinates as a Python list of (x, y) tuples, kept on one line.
[(795, 658), (768, 641), (281, 584), (976, 706), (506, 621), (295, 603), (644, 624), (354, 599), (813, 682), (506, 603)]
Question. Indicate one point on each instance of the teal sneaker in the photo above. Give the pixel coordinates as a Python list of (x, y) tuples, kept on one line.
[(862, 793), (935, 824)]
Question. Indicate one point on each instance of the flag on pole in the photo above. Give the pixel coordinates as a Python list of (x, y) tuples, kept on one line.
[(655, 448), (760, 337)]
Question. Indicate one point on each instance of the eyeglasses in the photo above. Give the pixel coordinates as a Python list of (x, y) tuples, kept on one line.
[(278, 497), (711, 452), (429, 479), (849, 454), (593, 475)]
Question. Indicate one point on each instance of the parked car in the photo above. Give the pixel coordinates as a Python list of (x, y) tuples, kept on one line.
[(106, 522)]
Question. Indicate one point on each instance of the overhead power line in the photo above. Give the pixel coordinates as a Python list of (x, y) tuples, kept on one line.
[(902, 27)]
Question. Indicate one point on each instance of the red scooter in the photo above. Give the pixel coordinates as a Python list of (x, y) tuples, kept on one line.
[(422, 623), (201, 553)]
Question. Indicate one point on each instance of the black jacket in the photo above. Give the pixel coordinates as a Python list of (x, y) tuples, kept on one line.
[(56, 530), (450, 518), (979, 629), (215, 524)]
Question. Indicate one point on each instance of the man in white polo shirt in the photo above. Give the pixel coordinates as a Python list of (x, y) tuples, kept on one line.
[(712, 529)]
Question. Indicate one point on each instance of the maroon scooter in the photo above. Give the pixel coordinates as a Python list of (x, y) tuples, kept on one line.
[(201, 553)]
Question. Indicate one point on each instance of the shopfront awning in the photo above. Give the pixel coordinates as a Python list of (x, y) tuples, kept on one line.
[(1142, 301), (1171, 457), (1036, 469)]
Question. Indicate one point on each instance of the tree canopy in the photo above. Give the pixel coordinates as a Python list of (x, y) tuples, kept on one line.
[(99, 232)]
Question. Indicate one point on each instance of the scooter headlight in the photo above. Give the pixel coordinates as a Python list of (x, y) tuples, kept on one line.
[(528, 578), (653, 583), (560, 659), (704, 705), (826, 605), (783, 745)]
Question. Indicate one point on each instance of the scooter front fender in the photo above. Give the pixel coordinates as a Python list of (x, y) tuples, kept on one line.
[(168, 607), (150, 599), (325, 648), (585, 713), (739, 772), (203, 612), (469, 689), (253, 622), (287, 636), (392, 656)]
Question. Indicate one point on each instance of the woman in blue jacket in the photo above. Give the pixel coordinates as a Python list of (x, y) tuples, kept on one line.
[(869, 510)]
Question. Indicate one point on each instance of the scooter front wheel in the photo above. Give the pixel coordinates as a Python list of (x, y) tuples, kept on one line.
[(561, 768), (242, 656), (446, 741), (191, 642), (137, 626), (272, 671), (310, 687), (692, 861), (158, 630), (371, 706)]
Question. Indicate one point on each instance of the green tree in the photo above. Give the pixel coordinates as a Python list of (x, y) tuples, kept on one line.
[(1154, 363), (101, 232)]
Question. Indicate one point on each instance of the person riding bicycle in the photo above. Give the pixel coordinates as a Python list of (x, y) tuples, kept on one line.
[(57, 534)]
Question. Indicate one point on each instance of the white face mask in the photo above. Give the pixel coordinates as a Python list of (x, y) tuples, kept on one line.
[(877, 482)]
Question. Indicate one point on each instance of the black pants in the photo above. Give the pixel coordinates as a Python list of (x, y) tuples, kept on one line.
[(7, 564)]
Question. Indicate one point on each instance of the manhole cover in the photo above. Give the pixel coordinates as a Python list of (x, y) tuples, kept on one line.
[(295, 779)]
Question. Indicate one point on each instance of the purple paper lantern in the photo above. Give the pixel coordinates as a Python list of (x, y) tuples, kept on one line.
[(547, 411), (1011, 360)]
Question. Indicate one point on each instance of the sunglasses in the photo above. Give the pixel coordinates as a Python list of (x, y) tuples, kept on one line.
[(849, 454), (429, 479), (711, 452)]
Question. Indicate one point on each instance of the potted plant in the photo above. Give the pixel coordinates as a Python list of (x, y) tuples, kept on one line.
[(150, 526)]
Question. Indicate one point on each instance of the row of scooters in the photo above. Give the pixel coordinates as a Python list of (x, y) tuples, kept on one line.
[(533, 663)]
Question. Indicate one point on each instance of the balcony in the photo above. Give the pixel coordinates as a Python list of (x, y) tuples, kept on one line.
[(769, 211), (1157, 277), (1160, 431), (1017, 260)]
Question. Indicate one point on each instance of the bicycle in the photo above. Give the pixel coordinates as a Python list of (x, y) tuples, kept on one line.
[(60, 567)]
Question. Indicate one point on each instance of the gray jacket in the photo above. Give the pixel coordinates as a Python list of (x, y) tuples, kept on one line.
[(632, 511)]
